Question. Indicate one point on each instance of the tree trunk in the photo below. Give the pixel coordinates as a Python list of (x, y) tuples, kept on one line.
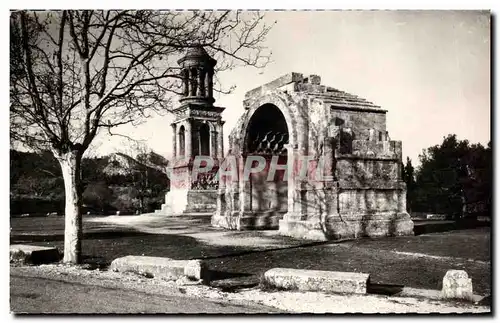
[(141, 203), (70, 165)]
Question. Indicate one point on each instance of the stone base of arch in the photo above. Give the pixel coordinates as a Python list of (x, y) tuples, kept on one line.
[(301, 229), (267, 220), (335, 227)]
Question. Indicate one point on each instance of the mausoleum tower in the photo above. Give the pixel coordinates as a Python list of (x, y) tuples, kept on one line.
[(197, 131)]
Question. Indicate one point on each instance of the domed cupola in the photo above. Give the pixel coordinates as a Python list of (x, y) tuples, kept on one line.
[(197, 70)]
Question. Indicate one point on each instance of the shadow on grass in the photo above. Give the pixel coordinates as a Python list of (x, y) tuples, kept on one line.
[(231, 281), (221, 275), (426, 227), (234, 267), (111, 234), (384, 289)]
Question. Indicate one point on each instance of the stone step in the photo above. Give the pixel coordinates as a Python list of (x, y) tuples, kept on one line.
[(317, 280), (161, 267), (26, 254)]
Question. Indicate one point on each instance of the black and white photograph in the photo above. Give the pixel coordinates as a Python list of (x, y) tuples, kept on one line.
[(230, 161)]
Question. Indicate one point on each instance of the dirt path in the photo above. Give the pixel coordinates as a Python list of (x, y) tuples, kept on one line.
[(47, 294), (109, 285), (199, 228)]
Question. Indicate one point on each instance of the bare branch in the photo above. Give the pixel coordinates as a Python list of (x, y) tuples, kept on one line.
[(82, 71)]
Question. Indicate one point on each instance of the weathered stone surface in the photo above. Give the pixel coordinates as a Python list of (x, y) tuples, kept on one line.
[(197, 132), (160, 267), (301, 229), (26, 254), (317, 280), (183, 201), (296, 118), (195, 269), (457, 285), (279, 82)]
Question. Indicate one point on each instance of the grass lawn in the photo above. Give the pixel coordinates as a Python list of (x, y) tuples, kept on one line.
[(383, 266), (419, 261), (467, 243)]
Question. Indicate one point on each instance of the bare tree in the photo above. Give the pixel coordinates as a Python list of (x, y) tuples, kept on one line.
[(76, 73), (145, 169)]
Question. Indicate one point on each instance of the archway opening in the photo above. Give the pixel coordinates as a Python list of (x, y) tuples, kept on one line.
[(204, 137), (267, 136), (267, 131), (182, 141), (201, 139)]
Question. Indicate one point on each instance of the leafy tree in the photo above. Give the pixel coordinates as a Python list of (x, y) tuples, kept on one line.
[(35, 175), (76, 73), (452, 176), (91, 170), (98, 195)]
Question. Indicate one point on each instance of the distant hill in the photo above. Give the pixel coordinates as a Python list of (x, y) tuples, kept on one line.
[(119, 164), (36, 183)]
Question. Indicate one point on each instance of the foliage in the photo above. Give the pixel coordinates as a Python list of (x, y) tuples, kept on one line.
[(98, 195), (454, 178), (37, 185)]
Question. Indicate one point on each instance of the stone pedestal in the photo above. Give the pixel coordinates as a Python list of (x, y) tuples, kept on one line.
[(197, 138), (457, 285), (178, 202), (266, 220), (345, 227), (188, 196), (303, 229)]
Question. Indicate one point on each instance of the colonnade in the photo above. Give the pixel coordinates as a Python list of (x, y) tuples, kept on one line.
[(182, 138), (198, 82)]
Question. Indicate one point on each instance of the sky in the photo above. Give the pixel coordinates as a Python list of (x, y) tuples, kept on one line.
[(429, 69)]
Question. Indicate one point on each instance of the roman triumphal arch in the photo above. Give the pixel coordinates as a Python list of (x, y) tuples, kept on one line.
[(314, 162)]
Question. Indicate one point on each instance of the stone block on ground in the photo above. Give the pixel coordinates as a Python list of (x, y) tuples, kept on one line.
[(26, 254), (457, 285), (317, 280), (161, 267), (195, 269)]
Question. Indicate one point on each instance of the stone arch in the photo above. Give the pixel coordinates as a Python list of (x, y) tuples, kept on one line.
[(267, 132), (278, 102), (246, 193)]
